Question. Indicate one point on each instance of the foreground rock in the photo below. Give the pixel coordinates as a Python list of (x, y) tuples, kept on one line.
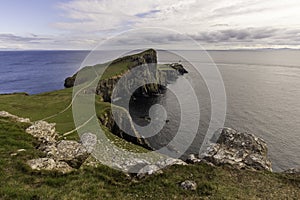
[(188, 185), (14, 117), (49, 164), (64, 155), (149, 169), (240, 150), (45, 132), (292, 171)]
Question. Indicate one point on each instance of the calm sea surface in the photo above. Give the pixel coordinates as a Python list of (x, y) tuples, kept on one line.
[(262, 88)]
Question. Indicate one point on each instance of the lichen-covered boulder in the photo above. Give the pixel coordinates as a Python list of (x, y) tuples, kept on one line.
[(240, 150), (49, 164), (71, 152), (43, 131)]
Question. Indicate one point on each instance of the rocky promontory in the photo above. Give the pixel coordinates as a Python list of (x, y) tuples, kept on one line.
[(150, 71), (238, 149)]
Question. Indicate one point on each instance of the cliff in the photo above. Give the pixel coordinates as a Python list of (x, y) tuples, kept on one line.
[(125, 121), (160, 75)]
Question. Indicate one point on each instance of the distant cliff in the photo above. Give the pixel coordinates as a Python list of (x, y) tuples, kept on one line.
[(121, 66)]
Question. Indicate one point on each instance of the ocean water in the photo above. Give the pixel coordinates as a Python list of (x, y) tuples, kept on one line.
[(262, 89), (37, 71), (263, 98)]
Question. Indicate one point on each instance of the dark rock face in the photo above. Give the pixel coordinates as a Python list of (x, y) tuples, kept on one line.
[(69, 82), (179, 67), (124, 120), (150, 71), (241, 150)]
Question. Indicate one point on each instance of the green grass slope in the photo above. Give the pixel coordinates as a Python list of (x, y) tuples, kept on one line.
[(17, 181)]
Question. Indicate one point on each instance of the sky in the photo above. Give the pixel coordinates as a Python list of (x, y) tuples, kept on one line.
[(83, 24)]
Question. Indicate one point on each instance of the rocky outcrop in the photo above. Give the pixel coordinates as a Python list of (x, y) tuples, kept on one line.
[(192, 159), (49, 164), (43, 131), (61, 155), (69, 151), (179, 68), (148, 72), (292, 171), (145, 57), (14, 117), (240, 150), (146, 169)]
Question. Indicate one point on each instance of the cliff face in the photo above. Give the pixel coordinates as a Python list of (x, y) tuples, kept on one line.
[(149, 70), (123, 118)]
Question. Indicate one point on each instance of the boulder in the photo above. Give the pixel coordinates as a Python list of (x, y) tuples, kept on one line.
[(49, 164), (188, 185), (71, 152), (241, 150)]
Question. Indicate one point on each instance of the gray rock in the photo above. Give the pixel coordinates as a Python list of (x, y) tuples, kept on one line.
[(241, 150), (169, 162), (188, 185), (43, 131), (148, 170), (89, 141), (49, 164), (14, 117), (71, 152), (292, 171), (192, 159)]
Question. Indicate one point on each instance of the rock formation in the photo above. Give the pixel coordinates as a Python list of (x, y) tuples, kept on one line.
[(149, 71), (188, 185), (14, 117), (61, 155), (240, 150), (124, 120)]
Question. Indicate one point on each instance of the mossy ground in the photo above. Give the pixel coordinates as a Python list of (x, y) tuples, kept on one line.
[(17, 181)]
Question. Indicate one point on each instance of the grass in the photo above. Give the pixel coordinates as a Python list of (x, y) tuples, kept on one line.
[(110, 69), (37, 107), (17, 181)]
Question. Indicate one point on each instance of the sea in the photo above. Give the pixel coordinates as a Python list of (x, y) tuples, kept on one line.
[(262, 90)]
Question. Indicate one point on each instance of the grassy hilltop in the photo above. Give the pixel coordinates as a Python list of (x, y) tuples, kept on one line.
[(18, 181)]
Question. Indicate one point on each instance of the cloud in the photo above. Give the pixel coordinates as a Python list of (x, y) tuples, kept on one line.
[(15, 38), (223, 23)]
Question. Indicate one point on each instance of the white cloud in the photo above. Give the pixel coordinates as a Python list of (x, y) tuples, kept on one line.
[(215, 24)]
